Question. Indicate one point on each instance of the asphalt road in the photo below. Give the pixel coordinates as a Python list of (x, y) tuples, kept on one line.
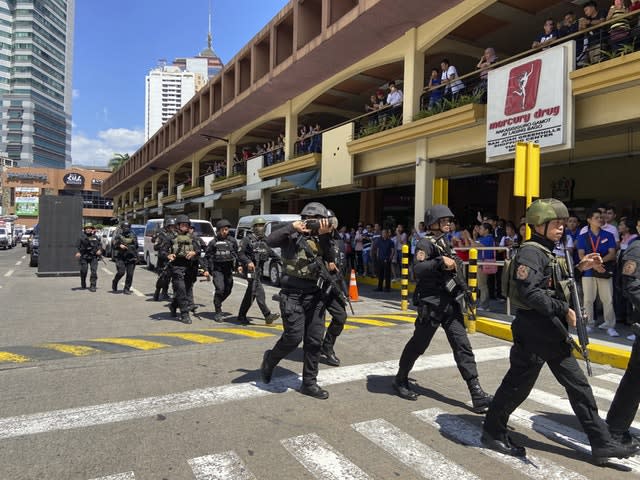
[(102, 385)]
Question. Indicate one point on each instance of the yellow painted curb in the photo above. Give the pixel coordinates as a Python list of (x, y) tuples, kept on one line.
[(239, 331), (191, 337), (133, 343), (75, 350)]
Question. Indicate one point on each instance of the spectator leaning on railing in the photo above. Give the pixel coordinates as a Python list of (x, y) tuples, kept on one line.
[(450, 78)]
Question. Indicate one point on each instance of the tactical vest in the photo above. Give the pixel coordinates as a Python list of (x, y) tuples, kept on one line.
[(91, 245), (559, 287), (300, 265), (223, 251), (260, 249), (182, 244)]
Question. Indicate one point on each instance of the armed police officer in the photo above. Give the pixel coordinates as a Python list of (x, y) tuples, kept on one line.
[(125, 245), (183, 255), (537, 290), (625, 402), (222, 258), (253, 253), (335, 303), (304, 245), (160, 242), (89, 252), (439, 294)]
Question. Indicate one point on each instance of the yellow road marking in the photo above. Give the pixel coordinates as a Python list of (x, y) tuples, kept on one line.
[(346, 327), (132, 342), (240, 331), (76, 350), (270, 327), (400, 318), (13, 357), (191, 337), (368, 321)]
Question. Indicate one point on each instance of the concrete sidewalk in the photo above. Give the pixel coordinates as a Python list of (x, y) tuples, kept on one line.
[(603, 349)]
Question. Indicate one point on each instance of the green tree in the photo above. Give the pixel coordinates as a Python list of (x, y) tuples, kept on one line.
[(118, 160)]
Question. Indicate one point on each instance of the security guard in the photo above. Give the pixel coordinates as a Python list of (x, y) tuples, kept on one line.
[(222, 258), (253, 253), (163, 237), (89, 252), (625, 403), (303, 243), (183, 254), (335, 306), (536, 289), (125, 244), (435, 267)]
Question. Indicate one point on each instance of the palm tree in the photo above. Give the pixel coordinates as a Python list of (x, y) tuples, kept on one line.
[(118, 160)]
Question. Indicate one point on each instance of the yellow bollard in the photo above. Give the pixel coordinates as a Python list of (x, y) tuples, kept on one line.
[(404, 280), (472, 281)]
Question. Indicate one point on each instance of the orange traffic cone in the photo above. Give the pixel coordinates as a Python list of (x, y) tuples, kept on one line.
[(353, 288)]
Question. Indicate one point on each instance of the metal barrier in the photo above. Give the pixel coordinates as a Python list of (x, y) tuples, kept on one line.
[(472, 281)]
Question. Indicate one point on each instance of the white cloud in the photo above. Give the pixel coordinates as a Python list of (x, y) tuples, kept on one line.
[(98, 151), (75, 93)]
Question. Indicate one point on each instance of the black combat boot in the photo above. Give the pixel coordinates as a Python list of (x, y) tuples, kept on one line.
[(217, 316), (266, 369), (504, 445), (156, 295), (165, 295), (401, 386), (611, 449), (174, 310), (92, 288), (126, 291), (626, 439), (243, 320), (326, 350), (114, 286), (479, 398), (272, 317), (185, 317), (314, 391)]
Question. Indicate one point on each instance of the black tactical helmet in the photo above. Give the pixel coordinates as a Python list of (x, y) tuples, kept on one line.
[(333, 220), (314, 209), (182, 219), (223, 223), (169, 221), (435, 213), (544, 210)]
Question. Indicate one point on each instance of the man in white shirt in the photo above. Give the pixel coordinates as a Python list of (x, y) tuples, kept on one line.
[(395, 96), (450, 78)]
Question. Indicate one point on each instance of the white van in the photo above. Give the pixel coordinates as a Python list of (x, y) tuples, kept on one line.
[(270, 269), (202, 227)]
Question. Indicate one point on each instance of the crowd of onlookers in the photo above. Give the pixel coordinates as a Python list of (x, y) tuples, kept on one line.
[(376, 251)]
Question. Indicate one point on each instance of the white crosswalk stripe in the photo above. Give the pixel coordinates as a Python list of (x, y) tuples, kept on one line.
[(321, 459), (468, 434), (610, 377), (222, 466), (423, 459), (118, 476)]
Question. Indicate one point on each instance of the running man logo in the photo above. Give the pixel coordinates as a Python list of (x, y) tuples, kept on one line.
[(522, 90)]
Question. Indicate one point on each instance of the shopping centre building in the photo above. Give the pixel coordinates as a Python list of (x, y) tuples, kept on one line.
[(318, 62), (23, 187)]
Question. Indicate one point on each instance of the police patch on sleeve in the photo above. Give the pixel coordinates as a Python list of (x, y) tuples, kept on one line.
[(522, 273), (629, 268)]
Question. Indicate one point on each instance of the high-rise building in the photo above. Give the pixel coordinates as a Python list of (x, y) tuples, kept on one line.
[(36, 59), (169, 88)]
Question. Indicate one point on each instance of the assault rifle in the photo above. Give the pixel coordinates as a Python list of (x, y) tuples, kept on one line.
[(456, 285), (581, 322), (325, 275)]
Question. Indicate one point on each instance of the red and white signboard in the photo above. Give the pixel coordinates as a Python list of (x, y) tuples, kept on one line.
[(531, 101)]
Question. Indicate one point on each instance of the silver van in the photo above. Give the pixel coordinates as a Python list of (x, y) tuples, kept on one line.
[(202, 227), (270, 269)]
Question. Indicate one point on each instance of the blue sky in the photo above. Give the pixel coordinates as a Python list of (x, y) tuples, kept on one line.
[(117, 42)]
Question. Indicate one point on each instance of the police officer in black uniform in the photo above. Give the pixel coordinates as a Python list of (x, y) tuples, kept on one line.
[(222, 258), (336, 307), (125, 245), (435, 267), (89, 252), (163, 237), (303, 243), (253, 253), (536, 290), (183, 255), (627, 398)]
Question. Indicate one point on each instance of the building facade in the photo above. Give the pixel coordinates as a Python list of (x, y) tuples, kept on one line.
[(22, 188), (36, 63)]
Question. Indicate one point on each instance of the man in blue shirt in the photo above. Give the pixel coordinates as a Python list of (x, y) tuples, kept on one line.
[(598, 281), (385, 250)]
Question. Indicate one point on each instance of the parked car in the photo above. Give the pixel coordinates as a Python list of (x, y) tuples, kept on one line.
[(202, 227), (35, 247), (5, 238), (24, 239), (271, 268)]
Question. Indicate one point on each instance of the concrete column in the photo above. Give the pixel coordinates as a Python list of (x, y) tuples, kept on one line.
[(154, 188), (171, 182), (425, 175), (231, 149), (413, 77), (290, 131), (195, 171), (141, 194), (265, 202)]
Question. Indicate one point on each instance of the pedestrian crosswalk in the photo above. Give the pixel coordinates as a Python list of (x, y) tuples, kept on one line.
[(420, 451)]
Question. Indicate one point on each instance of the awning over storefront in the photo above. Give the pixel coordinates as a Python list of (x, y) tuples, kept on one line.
[(177, 206), (274, 182), (206, 198), (307, 180)]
